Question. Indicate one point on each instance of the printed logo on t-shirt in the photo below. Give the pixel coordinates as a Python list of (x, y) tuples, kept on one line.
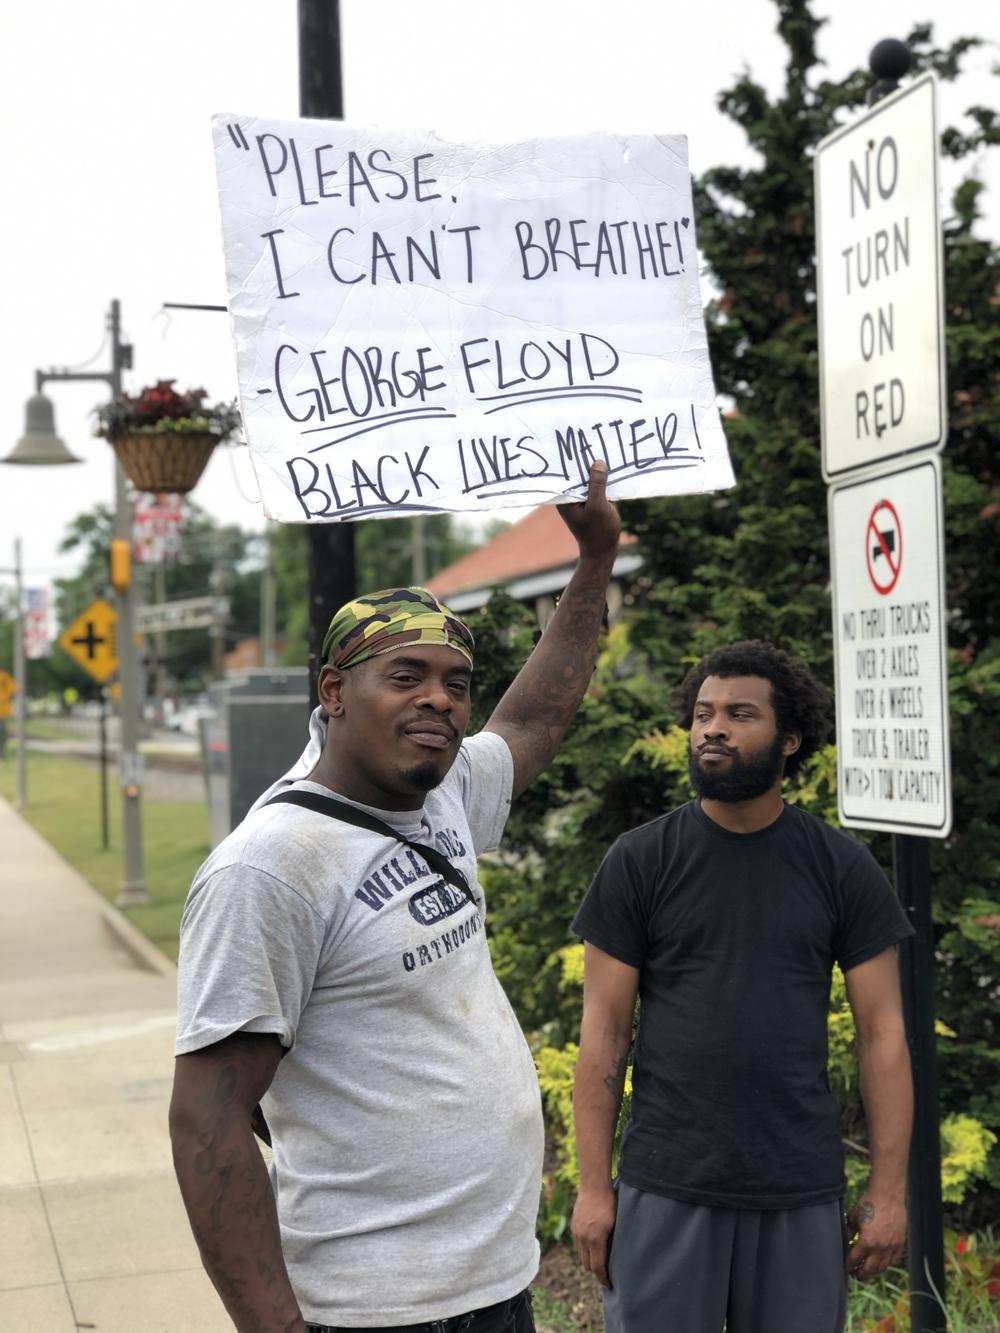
[(404, 869), (433, 904), (442, 945)]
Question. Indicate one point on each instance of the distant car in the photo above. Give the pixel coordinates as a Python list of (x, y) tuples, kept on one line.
[(185, 719)]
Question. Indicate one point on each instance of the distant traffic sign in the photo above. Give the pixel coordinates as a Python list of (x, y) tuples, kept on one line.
[(880, 285), (887, 561), (183, 613), (92, 640), (8, 687)]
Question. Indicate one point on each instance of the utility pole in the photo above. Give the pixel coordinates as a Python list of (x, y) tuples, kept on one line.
[(160, 635), (40, 445), (133, 891), (21, 681), (267, 606), (219, 583), (332, 576)]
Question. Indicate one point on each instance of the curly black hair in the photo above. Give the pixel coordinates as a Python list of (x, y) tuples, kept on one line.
[(801, 703)]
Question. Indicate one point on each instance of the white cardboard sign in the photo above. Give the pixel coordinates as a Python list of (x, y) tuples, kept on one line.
[(887, 559), (423, 325), (880, 285)]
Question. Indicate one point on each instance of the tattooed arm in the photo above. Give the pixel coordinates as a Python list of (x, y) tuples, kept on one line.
[(879, 1219), (609, 991), (224, 1182), (534, 714)]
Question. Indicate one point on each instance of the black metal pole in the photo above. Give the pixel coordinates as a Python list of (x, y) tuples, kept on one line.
[(911, 862), (332, 576), (889, 61)]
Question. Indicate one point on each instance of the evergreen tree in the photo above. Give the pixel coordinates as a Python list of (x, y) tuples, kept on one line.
[(753, 562)]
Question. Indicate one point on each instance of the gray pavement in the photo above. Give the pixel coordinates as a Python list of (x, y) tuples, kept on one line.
[(92, 1230)]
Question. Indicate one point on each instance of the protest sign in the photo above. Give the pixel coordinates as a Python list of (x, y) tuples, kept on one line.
[(423, 325)]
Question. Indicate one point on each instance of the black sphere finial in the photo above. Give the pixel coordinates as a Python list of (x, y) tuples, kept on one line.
[(889, 59)]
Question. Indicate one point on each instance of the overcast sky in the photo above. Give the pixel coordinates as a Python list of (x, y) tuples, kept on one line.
[(109, 181)]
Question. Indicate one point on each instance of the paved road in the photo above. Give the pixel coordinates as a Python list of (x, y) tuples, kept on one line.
[(173, 767)]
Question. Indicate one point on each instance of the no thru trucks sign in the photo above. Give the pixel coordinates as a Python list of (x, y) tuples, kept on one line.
[(889, 636)]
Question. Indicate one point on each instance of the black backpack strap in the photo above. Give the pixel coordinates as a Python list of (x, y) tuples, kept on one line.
[(349, 814)]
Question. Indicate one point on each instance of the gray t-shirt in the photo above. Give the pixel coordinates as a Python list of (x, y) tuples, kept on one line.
[(405, 1115)]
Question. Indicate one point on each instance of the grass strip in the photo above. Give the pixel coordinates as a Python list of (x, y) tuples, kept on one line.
[(64, 808)]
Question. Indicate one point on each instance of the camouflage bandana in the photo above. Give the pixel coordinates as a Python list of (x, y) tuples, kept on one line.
[(383, 621)]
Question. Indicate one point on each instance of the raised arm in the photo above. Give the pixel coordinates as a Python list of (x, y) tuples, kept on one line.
[(609, 991), (224, 1181), (534, 714), (879, 1218)]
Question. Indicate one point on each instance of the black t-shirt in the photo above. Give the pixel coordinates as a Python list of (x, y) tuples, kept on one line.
[(735, 936)]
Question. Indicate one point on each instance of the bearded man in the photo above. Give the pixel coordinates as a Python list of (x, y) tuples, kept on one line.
[(725, 917)]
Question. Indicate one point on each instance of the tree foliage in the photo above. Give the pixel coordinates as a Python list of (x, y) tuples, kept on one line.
[(753, 562), (216, 559)]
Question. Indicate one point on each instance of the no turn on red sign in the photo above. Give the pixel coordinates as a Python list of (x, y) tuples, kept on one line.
[(887, 544), (880, 285)]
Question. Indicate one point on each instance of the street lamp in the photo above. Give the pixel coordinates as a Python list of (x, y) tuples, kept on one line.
[(40, 445)]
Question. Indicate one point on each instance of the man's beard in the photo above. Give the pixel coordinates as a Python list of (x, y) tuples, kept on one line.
[(422, 777), (743, 779)]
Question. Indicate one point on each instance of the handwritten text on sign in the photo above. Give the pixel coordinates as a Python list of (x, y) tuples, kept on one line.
[(423, 325)]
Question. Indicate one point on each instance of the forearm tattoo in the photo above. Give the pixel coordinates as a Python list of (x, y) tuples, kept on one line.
[(561, 666), (615, 1080), (231, 1206)]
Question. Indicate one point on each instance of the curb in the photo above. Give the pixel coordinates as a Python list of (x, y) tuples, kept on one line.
[(143, 952)]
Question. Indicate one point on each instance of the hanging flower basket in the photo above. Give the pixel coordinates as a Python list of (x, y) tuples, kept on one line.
[(165, 462), (163, 438)]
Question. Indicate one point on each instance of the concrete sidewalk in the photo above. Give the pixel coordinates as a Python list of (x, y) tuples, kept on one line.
[(92, 1230)]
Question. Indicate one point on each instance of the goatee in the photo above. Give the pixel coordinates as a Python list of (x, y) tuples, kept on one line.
[(422, 777), (743, 779)]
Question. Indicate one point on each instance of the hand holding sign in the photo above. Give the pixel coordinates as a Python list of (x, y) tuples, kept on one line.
[(423, 325), (594, 523)]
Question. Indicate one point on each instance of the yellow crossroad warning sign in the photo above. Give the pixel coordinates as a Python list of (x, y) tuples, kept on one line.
[(92, 640)]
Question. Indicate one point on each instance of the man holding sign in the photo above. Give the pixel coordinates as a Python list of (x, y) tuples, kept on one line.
[(334, 969)]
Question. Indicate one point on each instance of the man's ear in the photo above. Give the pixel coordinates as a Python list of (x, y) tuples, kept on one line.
[(330, 690), (793, 739)]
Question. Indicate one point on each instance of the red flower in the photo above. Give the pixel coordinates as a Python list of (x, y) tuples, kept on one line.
[(961, 1245)]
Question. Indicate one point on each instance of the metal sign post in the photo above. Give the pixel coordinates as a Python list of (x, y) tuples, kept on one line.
[(911, 866), (884, 418)]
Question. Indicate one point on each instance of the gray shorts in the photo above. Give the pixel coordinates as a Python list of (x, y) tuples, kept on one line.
[(688, 1268)]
